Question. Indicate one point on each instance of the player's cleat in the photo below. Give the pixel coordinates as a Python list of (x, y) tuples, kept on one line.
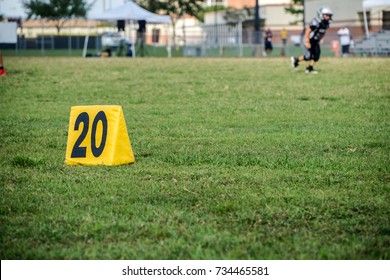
[(2, 72), (310, 70), (294, 62)]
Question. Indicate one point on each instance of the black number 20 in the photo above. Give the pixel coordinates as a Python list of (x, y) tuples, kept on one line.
[(81, 152)]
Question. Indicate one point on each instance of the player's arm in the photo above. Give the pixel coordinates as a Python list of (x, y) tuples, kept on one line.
[(307, 38)]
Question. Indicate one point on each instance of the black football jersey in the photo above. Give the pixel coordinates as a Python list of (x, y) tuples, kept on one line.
[(318, 29)]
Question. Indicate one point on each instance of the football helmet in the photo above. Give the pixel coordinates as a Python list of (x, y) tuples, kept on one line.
[(324, 11)]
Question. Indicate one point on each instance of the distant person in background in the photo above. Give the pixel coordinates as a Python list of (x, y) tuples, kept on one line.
[(129, 52), (2, 70), (313, 35), (106, 52), (283, 35), (345, 40), (268, 42)]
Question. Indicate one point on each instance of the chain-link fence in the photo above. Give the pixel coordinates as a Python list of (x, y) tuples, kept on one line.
[(218, 40)]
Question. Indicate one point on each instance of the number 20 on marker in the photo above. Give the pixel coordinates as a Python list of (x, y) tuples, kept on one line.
[(79, 151), (97, 135)]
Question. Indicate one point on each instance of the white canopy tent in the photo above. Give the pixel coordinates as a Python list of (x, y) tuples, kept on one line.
[(130, 11), (369, 4)]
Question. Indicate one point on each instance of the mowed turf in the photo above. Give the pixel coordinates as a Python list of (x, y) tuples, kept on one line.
[(235, 159)]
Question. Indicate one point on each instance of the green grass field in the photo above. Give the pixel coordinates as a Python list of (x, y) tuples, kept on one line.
[(235, 159)]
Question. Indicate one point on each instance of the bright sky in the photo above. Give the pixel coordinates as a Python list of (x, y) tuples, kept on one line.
[(14, 8)]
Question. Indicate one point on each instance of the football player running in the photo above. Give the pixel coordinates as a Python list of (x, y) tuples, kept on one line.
[(313, 35)]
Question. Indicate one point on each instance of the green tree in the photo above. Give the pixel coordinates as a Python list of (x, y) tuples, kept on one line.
[(296, 8), (150, 5), (201, 14), (234, 15), (58, 11), (176, 9)]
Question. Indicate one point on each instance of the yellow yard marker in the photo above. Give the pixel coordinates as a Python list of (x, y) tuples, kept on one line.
[(97, 135)]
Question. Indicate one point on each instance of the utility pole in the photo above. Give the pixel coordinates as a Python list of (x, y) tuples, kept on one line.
[(257, 23), (257, 47), (303, 21), (216, 23)]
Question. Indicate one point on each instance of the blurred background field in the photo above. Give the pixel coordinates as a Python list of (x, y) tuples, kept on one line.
[(158, 51)]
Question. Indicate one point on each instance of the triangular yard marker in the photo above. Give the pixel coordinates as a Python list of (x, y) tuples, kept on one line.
[(97, 135)]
